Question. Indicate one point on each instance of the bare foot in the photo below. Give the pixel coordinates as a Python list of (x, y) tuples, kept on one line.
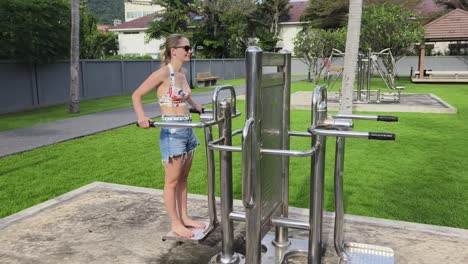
[(180, 230), (192, 223)]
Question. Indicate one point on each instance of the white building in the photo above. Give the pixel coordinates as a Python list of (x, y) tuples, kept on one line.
[(139, 8), (139, 13), (132, 37), (290, 28)]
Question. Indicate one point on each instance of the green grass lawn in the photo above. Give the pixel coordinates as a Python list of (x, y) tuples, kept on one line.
[(421, 177)]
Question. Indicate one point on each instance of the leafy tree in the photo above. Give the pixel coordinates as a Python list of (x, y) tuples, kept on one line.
[(312, 45), (265, 22), (453, 4), (94, 44), (175, 18), (38, 31), (326, 14), (107, 10), (225, 31), (34, 31), (333, 14), (389, 26)]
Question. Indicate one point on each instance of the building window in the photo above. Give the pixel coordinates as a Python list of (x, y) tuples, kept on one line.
[(458, 49), (134, 14)]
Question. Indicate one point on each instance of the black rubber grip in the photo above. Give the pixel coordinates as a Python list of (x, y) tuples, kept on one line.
[(381, 136), (151, 123), (193, 110), (387, 118)]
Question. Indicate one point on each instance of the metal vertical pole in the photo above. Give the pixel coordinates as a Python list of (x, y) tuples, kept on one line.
[(227, 254), (360, 76), (316, 202), (369, 74), (253, 60), (210, 164), (281, 234), (319, 114), (339, 201)]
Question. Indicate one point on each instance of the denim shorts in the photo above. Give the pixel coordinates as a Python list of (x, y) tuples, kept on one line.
[(177, 141)]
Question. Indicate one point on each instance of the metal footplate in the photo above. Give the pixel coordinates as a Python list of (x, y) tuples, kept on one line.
[(199, 233), (358, 253), (277, 255)]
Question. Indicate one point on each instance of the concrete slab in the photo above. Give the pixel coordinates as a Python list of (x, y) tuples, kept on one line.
[(420, 103), (109, 223)]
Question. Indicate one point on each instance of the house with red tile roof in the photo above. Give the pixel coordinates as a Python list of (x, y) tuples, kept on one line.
[(132, 37), (448, 34), (290, 28), (131, 34)]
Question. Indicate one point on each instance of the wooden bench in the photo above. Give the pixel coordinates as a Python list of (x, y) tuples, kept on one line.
[(447, 74), (205, 79)]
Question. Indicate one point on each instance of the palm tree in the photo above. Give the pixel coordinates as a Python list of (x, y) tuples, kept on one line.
[(73, 102), (350, 60)]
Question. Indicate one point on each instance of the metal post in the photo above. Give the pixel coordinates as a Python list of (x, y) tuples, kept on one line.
[(227, 255), (369, 74), (226, 187), (251, 188), (360, 76), (210, 165), (319, 114), (281, 234), (339, 201)]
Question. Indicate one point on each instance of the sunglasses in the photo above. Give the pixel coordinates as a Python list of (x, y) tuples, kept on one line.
[(186, 48)]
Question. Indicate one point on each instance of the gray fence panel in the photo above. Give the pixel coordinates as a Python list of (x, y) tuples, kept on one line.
[(53, 83), (16, 87), (201, 66), (135, 72), (102, 78), (217, 68), (24, 87)]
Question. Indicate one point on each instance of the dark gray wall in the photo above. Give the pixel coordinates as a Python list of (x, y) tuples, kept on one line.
[(24, 86)]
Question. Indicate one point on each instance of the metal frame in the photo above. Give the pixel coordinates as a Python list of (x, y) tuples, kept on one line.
[(338, 126)]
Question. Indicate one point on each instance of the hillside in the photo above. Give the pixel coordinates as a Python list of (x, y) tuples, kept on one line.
[(107, 10)]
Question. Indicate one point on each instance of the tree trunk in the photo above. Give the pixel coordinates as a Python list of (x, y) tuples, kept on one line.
[(350, 60), (74, 99)]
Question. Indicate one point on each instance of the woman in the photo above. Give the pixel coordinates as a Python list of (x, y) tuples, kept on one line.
[(177, 144)]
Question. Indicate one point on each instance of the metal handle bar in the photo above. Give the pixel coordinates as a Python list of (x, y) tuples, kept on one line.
[(368, 117), (177, 125), (292, 153), (248, 194), (299, 134), (352, 134), (188, 125), (218, 89), (280, 152)]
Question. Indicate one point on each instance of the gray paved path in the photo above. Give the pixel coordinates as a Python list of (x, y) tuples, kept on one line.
[(27, 138)]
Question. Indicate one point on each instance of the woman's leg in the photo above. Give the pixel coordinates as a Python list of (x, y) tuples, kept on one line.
[(182, 195), (174, 173)]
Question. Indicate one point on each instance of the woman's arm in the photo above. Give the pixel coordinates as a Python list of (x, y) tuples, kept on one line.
[(153, 81)]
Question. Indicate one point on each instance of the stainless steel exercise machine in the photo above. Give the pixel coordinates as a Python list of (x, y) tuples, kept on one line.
[(265, 165), (339, 126), (265, 168)]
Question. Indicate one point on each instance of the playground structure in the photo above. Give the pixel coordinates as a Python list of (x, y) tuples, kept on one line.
[(265, 169), (383, 62)]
